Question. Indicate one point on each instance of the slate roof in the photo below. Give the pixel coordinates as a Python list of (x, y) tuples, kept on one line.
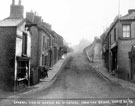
[(128, 16), (10, 22)]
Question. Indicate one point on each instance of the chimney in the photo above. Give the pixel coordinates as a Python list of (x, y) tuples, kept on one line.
[(131, 11), (16, 11), (30, 16), (46, 25), (37, 19)]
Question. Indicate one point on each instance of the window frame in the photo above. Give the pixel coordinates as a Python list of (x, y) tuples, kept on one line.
[(43, 60), (43, 42), (126, 31), (24, 44), (115, 34)]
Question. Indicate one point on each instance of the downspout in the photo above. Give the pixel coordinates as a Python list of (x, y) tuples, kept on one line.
[(15, 67), (108, 54)]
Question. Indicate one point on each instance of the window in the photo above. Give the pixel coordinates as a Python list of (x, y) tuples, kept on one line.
[(43, 42), (45, 46), (46, 60), (21, 69), (47, 43), (50, 42), (43, 59), (110, 39), (126, 31), (115, 34), (24, 44)]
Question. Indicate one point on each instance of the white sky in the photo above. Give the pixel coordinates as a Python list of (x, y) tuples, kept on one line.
[(74, 19)]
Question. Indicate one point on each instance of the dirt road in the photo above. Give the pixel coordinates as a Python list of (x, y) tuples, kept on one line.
[(78, 84)]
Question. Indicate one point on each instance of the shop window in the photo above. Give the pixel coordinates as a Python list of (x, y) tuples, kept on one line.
[(22, 73), (22, 69)]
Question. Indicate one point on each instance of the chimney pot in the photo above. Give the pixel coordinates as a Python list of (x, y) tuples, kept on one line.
[(13, 2), (19, 2)]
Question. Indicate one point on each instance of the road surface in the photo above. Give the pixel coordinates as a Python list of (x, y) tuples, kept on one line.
[(78, 84)]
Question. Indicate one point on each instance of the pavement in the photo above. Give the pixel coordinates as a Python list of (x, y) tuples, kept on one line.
[(44, 83), (47, 81), (102, 70)]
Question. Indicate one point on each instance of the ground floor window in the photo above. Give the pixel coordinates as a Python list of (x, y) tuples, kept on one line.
[(22, 73)]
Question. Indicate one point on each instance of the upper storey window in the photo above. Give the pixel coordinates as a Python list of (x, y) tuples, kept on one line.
[(126, 31), (24, 44)]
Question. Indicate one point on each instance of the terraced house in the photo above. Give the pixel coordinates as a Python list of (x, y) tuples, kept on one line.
[(27, 44), (45, 45), (15, 50), (118, 46)]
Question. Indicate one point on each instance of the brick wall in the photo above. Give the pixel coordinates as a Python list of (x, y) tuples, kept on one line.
[(123, 58), (116, 27), (7, 57), (124, 46), (34, 47)]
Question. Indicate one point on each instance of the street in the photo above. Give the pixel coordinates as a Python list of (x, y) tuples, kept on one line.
[(77, 84)]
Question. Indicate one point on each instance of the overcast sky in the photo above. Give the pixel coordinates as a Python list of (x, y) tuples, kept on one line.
[(74, 19)]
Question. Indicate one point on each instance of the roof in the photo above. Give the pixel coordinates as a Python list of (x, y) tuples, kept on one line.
[(10, 22), (128, 16), (44, 29), (112, 25)]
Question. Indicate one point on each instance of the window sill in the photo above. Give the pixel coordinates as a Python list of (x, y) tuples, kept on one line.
[(124, 38)]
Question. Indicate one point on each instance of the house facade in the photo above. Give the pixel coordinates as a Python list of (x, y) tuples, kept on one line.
[(26, 45), (118, 45), (45, 42), (15, 50)]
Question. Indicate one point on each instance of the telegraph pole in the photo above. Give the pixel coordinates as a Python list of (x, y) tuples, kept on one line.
[(119, 8)]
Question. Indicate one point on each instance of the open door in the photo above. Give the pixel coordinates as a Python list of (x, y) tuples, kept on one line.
[(132, 62)]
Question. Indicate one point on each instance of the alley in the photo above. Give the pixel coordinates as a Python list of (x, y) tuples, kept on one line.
[(77, 84)]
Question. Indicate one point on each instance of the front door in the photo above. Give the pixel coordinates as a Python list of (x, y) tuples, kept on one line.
[(132, 62)]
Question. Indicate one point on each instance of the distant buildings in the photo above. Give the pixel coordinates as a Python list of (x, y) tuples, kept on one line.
[(94, 50), (27, 44)]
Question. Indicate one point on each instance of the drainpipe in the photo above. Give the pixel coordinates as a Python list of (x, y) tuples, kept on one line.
[(109, 57)]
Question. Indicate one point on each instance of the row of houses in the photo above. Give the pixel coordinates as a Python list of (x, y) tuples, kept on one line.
[(26, 44), (116, 46)]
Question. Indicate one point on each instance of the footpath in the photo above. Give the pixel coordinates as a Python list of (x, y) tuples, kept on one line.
[(102, 71), (44, 83)]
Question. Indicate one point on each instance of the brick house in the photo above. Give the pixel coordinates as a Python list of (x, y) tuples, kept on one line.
[(15, 50), (60, 45), (26, 44), (118, 42), (55, 46), (39, 45), (44, 50)]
